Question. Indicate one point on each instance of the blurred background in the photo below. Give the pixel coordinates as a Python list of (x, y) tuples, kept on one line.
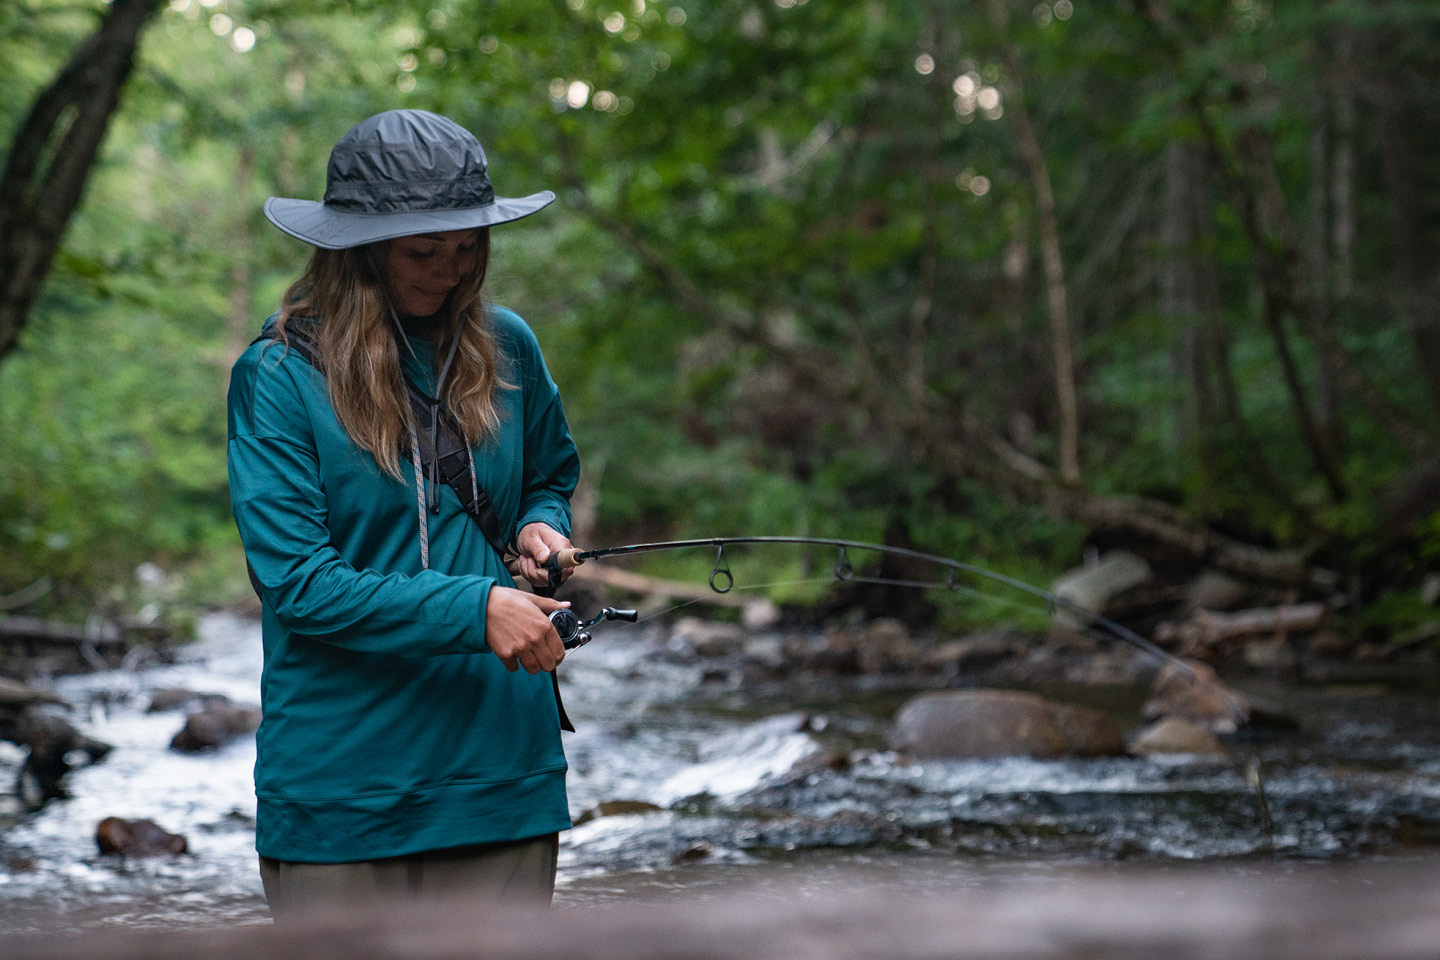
[(998, 280)]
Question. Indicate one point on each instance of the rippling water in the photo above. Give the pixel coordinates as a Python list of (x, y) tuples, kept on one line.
[(729, 788)]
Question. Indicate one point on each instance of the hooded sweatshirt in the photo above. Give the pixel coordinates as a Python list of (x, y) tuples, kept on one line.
[(388, 725)]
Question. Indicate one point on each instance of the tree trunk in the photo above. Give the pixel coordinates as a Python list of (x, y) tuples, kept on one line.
[(51, 156), (1057, 297)]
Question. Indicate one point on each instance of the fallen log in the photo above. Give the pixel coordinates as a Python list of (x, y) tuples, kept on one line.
[(31, 630), (1339, 913), (1207, 627)]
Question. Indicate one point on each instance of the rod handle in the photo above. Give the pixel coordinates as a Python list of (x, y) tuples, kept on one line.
[(565, 560)]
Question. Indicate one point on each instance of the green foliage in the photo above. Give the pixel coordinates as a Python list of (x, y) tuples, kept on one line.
[(775, 218)]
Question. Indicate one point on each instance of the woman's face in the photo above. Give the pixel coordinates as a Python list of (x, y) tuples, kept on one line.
[(420, 271)]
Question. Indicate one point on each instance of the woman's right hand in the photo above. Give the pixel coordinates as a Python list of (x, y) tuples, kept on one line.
[(518, 629)]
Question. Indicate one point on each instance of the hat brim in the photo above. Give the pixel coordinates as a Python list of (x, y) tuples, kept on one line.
[(333, 229)]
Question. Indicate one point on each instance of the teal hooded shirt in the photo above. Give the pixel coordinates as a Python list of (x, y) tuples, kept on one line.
[(388, 725)]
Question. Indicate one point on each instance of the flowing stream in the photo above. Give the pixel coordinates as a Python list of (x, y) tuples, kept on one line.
[(688, 785)]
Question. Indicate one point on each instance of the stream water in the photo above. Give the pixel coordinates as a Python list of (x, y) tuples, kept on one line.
[(714, 788)]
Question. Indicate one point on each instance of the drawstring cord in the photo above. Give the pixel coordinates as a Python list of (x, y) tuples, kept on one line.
[(430, 503)]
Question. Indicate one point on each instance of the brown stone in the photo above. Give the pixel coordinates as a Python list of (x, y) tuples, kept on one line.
[(995, 723), (1198, 696), (217, 723), (1177, 735), (137, 838)]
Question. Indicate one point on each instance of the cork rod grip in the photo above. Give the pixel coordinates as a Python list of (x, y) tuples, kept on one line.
[(566, 559)]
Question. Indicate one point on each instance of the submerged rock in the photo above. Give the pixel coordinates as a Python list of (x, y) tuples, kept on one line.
[(215, 724), (996, 723), (1177, 735), (137, 838), (616, 808)]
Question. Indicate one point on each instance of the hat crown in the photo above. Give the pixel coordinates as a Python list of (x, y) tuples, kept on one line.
[(407, 160)]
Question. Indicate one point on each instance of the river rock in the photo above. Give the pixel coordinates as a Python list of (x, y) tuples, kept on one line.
[(706, 638), (977, 651), (176, 698), (885, 645), (215, 724), (995, 723), (616, 808), (1199, 697), (137, 838), (56, 748), (1177, 735)]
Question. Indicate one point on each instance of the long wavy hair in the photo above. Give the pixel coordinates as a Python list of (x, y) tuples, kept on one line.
[(342, 291)]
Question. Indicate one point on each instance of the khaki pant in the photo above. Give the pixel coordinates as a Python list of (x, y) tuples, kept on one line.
[(519, 871)]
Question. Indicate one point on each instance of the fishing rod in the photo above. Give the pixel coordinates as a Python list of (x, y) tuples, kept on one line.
[(572, 628)]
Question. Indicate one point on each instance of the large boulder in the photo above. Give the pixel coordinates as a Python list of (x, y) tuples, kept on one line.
[(996, 723)]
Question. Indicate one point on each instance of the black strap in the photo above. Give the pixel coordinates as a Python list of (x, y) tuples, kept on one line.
[(453, 455)]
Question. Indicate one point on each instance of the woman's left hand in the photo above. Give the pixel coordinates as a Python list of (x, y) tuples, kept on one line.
[(537, 542)]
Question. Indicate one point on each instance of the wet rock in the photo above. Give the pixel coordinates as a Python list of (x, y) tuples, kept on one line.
[(706, 638), (885, 645), (830, 653), (1088, 732), (617, 808), (976, 652), (215, 724), (1177, 735), (700, 850), (177, 698), (137, 838), (56, 748), (764, 654), (1197, 696), (996, 723)]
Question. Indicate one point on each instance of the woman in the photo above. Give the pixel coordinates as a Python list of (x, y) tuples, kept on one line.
[(411, 734)]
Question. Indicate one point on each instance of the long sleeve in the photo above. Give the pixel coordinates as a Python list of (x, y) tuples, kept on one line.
[(280, 506)]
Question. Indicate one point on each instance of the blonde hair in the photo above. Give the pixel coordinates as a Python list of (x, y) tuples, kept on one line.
[(343, 292)]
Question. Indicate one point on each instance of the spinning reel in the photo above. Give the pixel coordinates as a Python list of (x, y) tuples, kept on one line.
[(572, 629)]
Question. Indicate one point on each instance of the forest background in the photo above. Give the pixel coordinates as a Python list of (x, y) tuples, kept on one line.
[(997, 280)]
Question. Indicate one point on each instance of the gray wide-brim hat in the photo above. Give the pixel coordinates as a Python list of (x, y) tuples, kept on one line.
[(397, 174)]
